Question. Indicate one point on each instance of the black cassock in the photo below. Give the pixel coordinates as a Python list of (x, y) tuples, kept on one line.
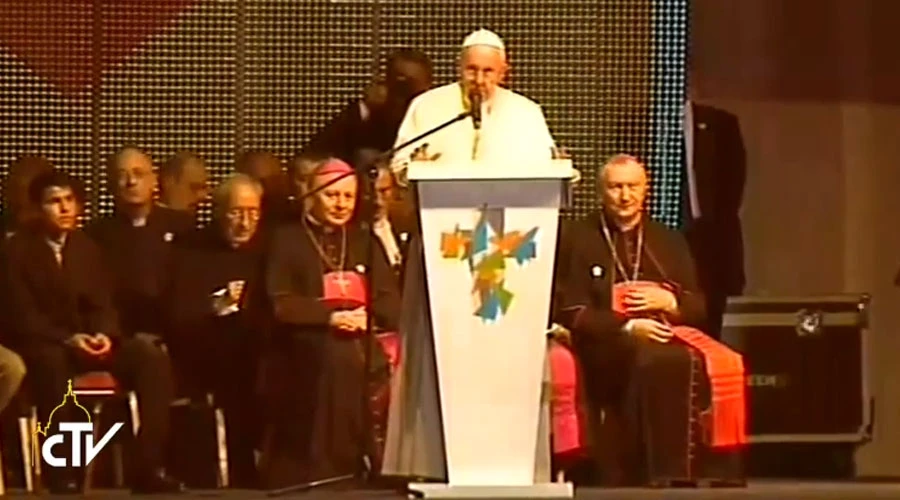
[(642, 386), (313, 377), (219, 353), (140, 259)]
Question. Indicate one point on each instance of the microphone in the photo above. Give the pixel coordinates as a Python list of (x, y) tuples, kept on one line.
[(475, 99)]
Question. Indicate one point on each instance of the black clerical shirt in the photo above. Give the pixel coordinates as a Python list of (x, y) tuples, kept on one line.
[(139, 255)]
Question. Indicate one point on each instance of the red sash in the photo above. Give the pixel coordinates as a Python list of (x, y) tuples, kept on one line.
[(344, 290), (347, 290), (724, 367)]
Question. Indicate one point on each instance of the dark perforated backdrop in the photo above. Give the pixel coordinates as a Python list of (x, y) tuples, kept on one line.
[(78, 79)]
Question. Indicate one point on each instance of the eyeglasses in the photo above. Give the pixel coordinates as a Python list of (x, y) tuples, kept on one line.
[(240, 213)]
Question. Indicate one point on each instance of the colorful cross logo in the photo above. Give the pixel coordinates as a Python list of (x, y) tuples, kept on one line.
[(486, 248)]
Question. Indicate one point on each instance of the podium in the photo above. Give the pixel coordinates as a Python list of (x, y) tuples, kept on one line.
[(489, 238)]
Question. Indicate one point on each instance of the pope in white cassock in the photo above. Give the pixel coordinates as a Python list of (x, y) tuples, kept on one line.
[(512, 126), (513, 131)]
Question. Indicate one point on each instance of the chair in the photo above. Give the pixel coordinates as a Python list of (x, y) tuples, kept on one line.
[(380, 394), (219, 413), (104, 386), (221, 442)]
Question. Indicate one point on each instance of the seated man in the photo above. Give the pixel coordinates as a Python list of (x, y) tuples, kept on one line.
[(66, 324), (215, 332), (315, 363), (629, 295), (137, 241)]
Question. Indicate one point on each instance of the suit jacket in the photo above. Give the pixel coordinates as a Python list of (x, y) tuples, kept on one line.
[(52, 301), (720, 171), (403, 231), (348, 133)]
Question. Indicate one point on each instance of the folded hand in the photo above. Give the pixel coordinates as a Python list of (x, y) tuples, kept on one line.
[(93, 345), (349, 321), (651, 299), (651, 329), (101, 344)]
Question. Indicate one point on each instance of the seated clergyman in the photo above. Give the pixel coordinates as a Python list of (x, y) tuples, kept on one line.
[(628, 292), (216, 326)]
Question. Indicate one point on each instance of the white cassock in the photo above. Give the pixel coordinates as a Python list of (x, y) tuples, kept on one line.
[(513, 128), (513, 132)]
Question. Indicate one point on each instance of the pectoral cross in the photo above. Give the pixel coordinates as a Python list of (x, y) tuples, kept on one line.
[(342, 283)]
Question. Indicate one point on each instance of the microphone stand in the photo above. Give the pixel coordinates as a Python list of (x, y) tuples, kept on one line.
[(368, 219)]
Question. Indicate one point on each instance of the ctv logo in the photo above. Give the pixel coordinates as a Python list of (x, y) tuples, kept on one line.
[(77, 432)]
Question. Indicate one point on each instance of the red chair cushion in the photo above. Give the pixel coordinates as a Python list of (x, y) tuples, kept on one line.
[(95, 381), (390, 344), (565, 417)]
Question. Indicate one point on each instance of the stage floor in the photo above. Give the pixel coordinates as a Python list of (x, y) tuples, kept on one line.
[(758, 490)]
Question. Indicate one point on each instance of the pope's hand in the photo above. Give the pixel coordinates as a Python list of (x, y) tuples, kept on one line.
[(421, 154)]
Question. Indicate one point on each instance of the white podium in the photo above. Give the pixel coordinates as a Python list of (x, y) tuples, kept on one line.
[(489, 238)]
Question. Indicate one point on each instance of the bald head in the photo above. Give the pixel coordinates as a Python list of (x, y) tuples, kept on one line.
[(131, 177), (622, 182)]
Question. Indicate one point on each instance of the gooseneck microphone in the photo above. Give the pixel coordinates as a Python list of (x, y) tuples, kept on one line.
[(475, 99)]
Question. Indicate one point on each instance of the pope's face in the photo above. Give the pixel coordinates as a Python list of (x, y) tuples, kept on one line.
[(482, 69)]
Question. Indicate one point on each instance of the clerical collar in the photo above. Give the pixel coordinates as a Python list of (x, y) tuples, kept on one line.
[(134, 221), (607, 228), (321, 227), (333, 263), (614, 226)]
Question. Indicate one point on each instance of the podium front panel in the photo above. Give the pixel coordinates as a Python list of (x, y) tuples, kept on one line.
[(489, 254)]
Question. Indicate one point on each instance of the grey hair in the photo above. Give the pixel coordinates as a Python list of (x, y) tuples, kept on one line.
[(618, 159), (223, 191)]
